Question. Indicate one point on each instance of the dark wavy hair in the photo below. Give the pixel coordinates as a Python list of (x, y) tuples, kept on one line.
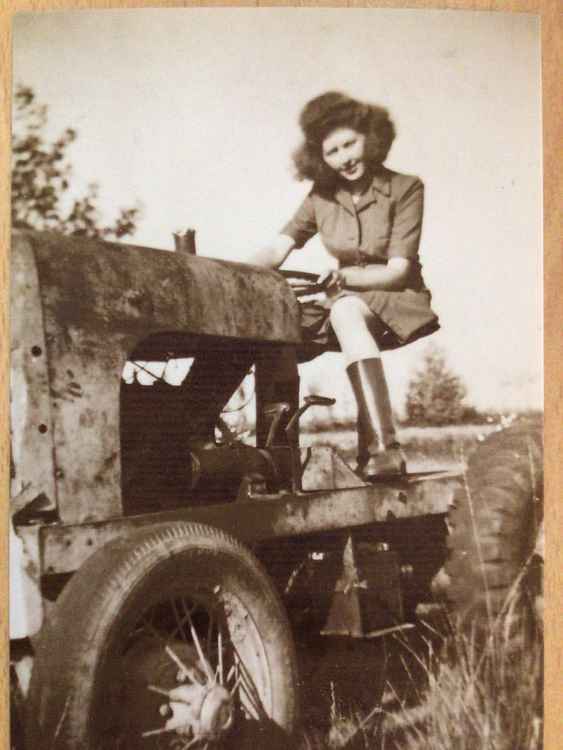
[(332, 110)]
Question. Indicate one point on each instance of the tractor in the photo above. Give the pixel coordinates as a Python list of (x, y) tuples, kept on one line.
[(162, 568)]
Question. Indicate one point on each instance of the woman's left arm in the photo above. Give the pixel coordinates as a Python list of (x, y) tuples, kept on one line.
[(392, 276)]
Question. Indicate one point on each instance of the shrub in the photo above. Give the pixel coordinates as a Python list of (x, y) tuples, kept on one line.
[(435, 394)]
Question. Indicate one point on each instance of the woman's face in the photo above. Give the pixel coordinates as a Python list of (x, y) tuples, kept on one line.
[(343, 151)]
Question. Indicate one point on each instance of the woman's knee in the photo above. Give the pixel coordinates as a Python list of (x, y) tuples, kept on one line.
[(348, 312)]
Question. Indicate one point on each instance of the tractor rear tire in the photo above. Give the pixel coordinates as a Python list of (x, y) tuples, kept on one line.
[(494, 522), (112, 629)]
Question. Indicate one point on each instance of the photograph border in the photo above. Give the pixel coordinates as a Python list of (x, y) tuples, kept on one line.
[(551, 15)]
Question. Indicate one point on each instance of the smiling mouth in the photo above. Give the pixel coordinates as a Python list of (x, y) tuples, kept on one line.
[(351, 168)]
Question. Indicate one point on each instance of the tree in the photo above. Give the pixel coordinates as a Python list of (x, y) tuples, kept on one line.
[(41, 174), (435, 394)]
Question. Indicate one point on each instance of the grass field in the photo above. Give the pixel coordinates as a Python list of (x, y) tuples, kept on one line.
[(433, 692), (426, 447)]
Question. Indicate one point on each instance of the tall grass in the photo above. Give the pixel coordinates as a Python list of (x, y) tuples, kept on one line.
[(474, 694), (478, 698)]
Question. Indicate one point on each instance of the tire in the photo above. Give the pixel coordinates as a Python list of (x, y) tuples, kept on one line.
[(493, 524), (105, 643)]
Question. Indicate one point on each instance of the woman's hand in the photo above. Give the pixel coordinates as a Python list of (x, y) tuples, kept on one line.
[(333, 282)]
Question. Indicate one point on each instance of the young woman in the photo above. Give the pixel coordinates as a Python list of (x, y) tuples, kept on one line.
[(369, 219)]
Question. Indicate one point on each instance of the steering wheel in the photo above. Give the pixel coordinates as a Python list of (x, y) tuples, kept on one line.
[(302, 283)]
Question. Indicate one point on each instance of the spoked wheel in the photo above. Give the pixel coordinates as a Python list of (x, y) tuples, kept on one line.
[(172, 639)]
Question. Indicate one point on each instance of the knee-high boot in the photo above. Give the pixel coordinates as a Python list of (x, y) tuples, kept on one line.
[(379, 453)]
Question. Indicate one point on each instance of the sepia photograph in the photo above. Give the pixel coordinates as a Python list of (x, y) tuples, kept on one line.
[(276, 381)]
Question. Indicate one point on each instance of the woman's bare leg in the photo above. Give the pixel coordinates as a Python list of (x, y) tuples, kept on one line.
[(351, 319)]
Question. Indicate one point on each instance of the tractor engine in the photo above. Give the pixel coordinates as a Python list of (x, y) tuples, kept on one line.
[(171, 455)]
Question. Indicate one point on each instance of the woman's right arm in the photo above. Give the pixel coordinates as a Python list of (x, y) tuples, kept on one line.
[(293, 235), (275, 252)]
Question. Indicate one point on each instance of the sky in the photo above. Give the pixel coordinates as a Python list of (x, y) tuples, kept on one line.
[(193, 112)]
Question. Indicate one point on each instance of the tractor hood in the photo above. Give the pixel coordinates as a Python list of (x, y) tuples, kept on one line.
[(99, 287)]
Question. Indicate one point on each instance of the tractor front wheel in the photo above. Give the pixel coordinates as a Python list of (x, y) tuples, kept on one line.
[(173, 638)]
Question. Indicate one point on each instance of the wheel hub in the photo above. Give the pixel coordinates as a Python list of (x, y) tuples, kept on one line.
[(199, 708), (201, 712), (217, 712)]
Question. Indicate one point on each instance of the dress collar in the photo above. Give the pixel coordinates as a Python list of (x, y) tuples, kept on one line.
[(380, 183)]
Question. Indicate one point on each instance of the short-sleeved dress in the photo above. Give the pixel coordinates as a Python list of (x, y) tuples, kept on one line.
[(385, 223)]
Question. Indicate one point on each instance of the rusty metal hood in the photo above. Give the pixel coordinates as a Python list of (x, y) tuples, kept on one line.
[(102, 286)]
